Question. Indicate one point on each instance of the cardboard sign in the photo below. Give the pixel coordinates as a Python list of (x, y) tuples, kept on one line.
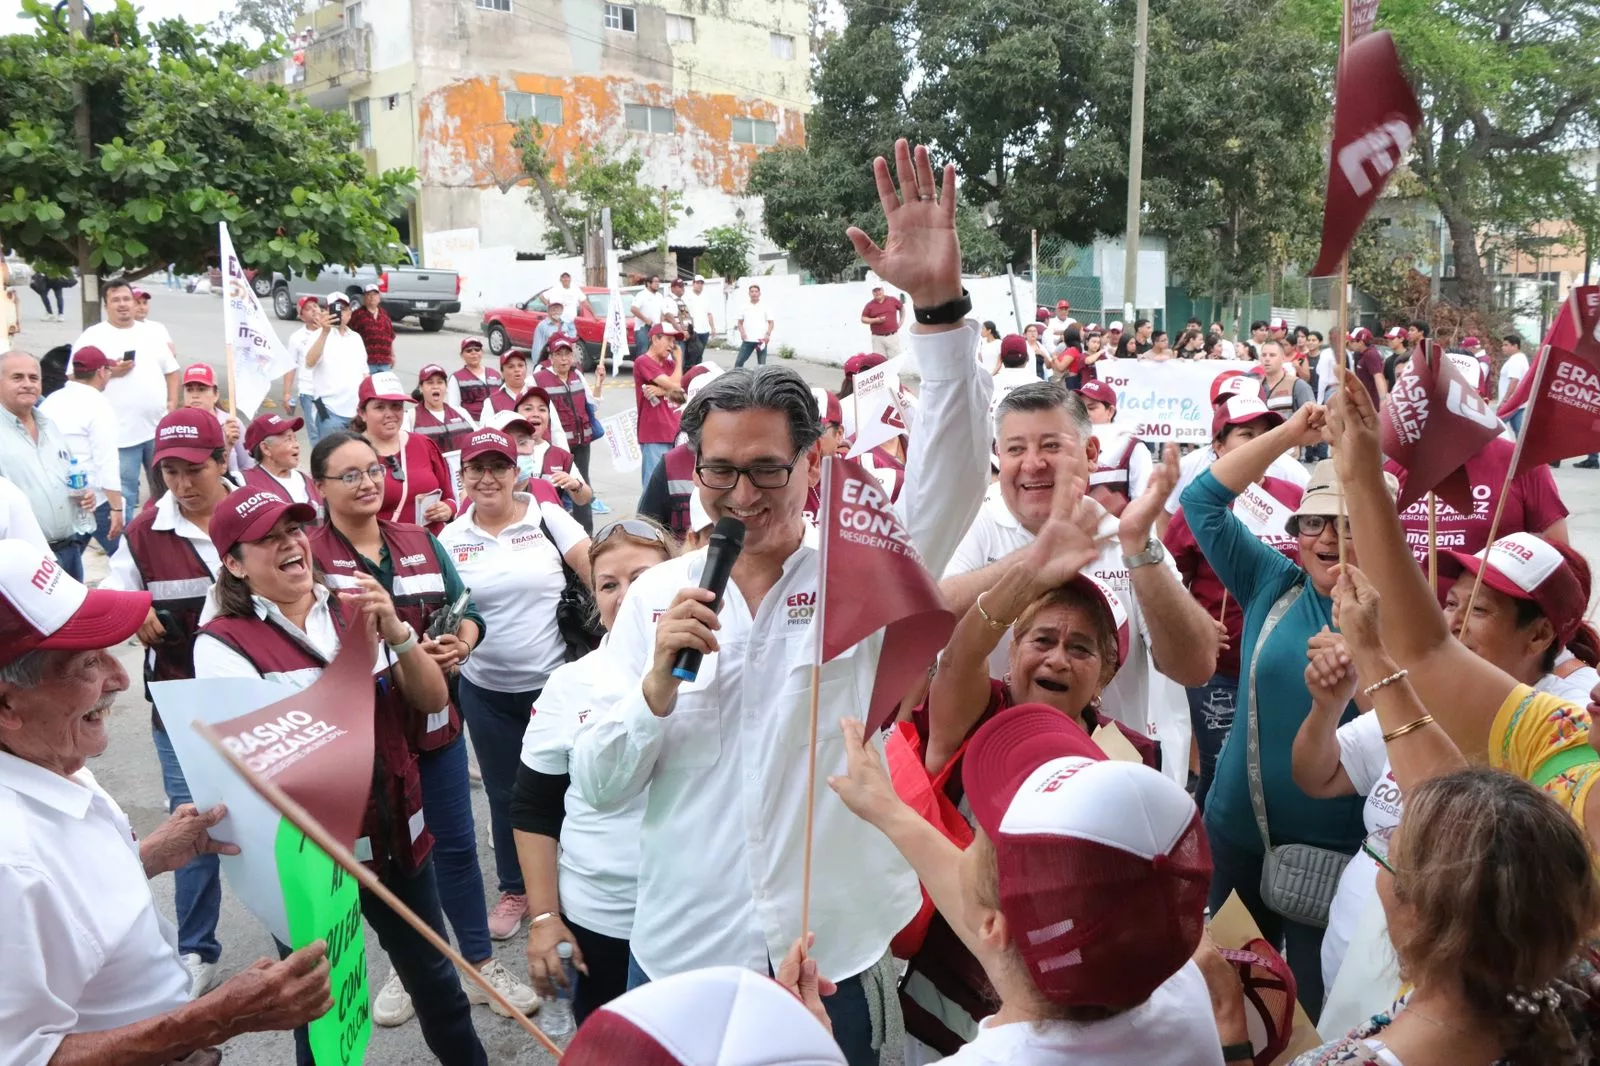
[(1232, 927), (324, 903), (622, 438), (1116, 746), (879, 408)]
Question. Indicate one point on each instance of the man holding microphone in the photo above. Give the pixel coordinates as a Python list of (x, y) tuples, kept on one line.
[(723, 755)]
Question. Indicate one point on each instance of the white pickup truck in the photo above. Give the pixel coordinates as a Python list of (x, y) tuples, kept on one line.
[(407, 291)]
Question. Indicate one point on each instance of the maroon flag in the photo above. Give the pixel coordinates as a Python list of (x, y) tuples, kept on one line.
[(1374, 120), (1363, 15), (1563, 416), (317, 744), (1433, 423), (1563, 334), (872, 579)]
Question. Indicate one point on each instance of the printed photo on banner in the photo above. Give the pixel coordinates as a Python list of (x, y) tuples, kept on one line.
[(1168, 401), (622, 437)]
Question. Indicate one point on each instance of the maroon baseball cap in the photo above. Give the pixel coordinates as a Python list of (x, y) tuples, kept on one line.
[(248, 514), (268, 425), (88, 359), (1280, 325), (665, 329), (1062, 305), (1394, 333), (489, 442), (200, 374), (1362, 335), (829, 410), (471, 342), (1239, 409), (1042, 315), (42, 606), (1524, 566), (384, 385), (515, 353), (561, 340), (531, 392), (865, 361), (187, 434), (432, 370), (138, 293), (1098, 391), (1013, 344), (1470, 343), (1103, 866)]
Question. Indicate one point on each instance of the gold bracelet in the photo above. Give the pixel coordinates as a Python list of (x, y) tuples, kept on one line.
[(1410, 727), (999, 627)]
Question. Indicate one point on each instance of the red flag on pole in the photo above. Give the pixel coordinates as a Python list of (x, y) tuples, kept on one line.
[(1563, 416), (872, 579), (1563, 334), (1363, 15), (1433, 423), (1374, 120)]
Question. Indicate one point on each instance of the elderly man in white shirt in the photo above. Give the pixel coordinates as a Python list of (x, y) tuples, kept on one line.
[(723, 756), (92, 970), (86, 419)]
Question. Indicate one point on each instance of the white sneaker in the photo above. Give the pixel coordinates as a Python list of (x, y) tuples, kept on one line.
[(392, 1006), (522, 996), (203, 975)]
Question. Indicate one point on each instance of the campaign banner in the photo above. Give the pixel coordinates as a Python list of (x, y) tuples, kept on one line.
[(452, 460), (1264, 515), (879, 407), (622, 438), (616, 331), (258, 355), (1167, 401), (1433, 423), (1563, 418)]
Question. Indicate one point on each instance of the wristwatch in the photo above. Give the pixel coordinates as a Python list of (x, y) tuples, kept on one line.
[(946, 313), (1154, 552), (1243, 1052)]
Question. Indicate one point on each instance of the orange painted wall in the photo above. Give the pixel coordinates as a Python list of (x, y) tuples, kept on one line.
[(466, 140)]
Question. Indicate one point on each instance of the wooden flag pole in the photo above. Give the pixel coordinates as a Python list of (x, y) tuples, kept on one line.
[(232, 410), (1222, 612), (1433, 542), (1342, 371), (827, 518), (314, 831)]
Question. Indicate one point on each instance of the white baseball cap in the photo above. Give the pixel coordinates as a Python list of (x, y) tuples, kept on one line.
[(719, 1016), (42, 606)]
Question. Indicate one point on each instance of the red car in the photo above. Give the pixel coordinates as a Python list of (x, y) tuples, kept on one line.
[(512, 327)]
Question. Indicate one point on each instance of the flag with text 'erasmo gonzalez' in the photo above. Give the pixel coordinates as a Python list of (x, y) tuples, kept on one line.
[(873, 579), (1563, 418), (1375, 119), (259, 356), (1563, 333), (1433, 423)]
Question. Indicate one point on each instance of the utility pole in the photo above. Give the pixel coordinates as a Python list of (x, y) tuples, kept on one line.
[(665, 225), (89, 291), (1130, 266)]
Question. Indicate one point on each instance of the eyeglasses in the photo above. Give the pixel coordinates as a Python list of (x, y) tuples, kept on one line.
[(351, 478), (633, 527), (724, 476), (1312, 525), (479, 471), (1376, 848)]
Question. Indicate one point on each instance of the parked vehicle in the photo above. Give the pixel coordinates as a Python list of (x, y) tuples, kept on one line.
[(408, 291), (513, 327)]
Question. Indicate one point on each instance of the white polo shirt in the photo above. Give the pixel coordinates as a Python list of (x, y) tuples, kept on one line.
[(85, 418), (516, 581), (336, 379), (83, 945), (139, 397), (569, 298), (599, 867)]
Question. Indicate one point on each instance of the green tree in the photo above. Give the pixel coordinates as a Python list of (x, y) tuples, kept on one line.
[(528, 140), (728, 250), (594, 181), (258, 20), (181, 141)]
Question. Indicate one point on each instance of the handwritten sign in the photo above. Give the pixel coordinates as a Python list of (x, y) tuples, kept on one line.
[(1169, 400), (324, 903), (622, 437)]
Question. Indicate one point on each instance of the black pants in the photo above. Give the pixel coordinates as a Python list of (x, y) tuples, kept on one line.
[(59, 290), (694, 347), (443, 1012), (582, 512), (607, 960)]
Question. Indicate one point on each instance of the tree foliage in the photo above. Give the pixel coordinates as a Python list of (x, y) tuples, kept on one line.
[(181, 140), (594, 181), (528, 140), (728, 250), (258, 20)]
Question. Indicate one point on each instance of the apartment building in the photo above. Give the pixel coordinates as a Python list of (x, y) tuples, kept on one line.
[(695, 87)]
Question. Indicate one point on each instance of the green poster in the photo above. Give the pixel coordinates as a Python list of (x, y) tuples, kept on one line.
[(324, 903)]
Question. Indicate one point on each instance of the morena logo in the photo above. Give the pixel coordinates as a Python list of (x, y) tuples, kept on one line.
[(180, 429), (249, 506), (1379, 150), (46, 575), (1519, 552), (413, 560)]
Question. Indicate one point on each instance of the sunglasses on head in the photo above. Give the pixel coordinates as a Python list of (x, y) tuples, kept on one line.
[(633, 527)]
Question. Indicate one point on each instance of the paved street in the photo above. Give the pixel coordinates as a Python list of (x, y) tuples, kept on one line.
[(129, 769)]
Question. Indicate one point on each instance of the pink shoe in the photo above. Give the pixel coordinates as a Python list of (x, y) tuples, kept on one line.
[(506, 917)]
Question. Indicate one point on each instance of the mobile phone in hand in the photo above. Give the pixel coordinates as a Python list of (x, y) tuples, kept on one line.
[(130, 354)]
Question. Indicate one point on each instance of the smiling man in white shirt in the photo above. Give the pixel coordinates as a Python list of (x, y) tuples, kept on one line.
[(723, 756)]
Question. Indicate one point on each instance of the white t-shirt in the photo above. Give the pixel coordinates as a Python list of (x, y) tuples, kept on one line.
[(569, 298), (336, 379), (599, 866), (756, 320), (300, 342), (139, 397), (1198, 461), (1055, 332), (989, 354), (89, 425), (699, 304), (649, 304), (1008, 380), (1174, 1027), (516, 580), (1512, 370), (1327, 375)]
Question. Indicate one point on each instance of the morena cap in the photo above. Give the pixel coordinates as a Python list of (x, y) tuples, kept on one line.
[(1098, 391), (188, 434), (1527, 567), (248, 514), (490, 442), (382, 386), (43, 606), (1233, 383), (829, 411), (89, 359), (200, 374), (865, 361), (1239, 409), (432, 370), (1103, 867), (268, 425), (1013, 344)]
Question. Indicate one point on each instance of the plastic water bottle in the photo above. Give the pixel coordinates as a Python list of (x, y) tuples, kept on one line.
[(78, 486), (555, 1017)]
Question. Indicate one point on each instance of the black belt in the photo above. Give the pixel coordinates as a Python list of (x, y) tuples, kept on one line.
[(72, 542)]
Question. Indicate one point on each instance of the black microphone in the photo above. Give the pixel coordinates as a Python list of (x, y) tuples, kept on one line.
[(727, 541)]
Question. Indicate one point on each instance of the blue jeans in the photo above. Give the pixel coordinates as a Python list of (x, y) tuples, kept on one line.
[(308, 411), (1514, 420), (379, 368), (134, 460), (199, 881), (443, 1013), (650, 456), (847, 1010), (332, 424), (102, 527), (447, 806), (69, 556), (1234, 869), (1211, 709), (496, 722), (744, 353)]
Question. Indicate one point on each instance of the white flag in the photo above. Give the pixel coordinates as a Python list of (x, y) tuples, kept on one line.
[(258, 356), (616, 330), (880, 412)]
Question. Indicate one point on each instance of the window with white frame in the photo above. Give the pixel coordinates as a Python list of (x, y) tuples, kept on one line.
[(782, 45), (361, 111), (754, 131), (520, 106), (353, 15), (495, 5), (680, 29), (643, 118), (620, 17)]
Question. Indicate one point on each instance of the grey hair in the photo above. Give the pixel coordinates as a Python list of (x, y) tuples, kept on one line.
[(27, 671), (18, 353), (767, 388), (1045, 396)]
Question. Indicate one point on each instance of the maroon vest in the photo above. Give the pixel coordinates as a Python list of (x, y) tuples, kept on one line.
[(393, 823), (258, 478), (178, 581), (475, 390), (501, 400), (556, 460), (417, 589), (680, 486), (448, 433), (568, 399)]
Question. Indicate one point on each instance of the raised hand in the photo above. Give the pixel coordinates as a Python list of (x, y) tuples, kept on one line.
[(921, 254), (1139, 517), (1355, 609), (1069, 540), (1352, 429)]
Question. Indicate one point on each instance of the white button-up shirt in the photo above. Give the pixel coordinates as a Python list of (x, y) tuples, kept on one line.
[(85, 418), (721, 851), (83, 946)]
